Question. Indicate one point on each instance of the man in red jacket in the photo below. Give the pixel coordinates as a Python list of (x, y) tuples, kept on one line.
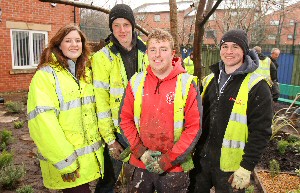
[(160, 119)]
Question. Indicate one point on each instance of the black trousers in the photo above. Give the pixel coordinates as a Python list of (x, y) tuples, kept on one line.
[(112, 169), (84, 188), (207, 174)]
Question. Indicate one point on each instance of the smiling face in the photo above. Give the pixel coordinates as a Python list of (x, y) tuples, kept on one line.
[(122, 30), (160, 55), (232, 55), (71, 45)]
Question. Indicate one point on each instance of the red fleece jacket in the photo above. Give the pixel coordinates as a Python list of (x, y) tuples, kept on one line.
[(157, 120)]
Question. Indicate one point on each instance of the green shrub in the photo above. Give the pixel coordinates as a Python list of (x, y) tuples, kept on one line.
[(293, 138), (25, 189), (282, 145), (6, 159), (13, 107), (18, 124), (10, 176), (6, 137), (250, 189), (274, 168)]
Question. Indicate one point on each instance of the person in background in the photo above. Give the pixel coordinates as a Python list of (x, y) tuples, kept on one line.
[(160, 118), (112, 67), (275, 52), (189, 63), (237, 118), (62, 116)]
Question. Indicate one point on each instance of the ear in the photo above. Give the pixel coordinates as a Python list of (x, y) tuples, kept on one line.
[(173, 53), (59, 47)]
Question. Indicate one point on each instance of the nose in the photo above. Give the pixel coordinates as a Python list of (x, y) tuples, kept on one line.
[(122, 29), (73, 43), (157, 53)]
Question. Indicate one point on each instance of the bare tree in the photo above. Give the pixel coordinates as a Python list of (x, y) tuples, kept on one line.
[(174, 25)]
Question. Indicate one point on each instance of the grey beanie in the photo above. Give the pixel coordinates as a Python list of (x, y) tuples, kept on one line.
[(237, 36), (121, 11)]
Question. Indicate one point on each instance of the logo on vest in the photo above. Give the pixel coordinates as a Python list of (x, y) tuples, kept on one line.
[(238, 102), (170, 97)]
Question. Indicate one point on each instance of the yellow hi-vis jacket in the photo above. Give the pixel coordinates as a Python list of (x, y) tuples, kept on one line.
[(183, 83), (110, 81), (236, 134), (62, 122), (264, 69), (189, 65)]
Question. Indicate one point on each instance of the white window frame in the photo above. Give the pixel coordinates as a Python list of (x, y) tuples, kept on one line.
[(290, 36), (274, 22), (31, 54), (157, 17)]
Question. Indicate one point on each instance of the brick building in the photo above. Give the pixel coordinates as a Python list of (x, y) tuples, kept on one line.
[(25, 28)]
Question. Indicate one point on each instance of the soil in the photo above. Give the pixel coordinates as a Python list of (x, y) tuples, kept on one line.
[(24, 149)]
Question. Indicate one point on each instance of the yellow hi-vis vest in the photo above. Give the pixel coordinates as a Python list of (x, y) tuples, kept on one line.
[(181, 93), (236, 134), (62, 122), (264, 69), (189, 65), (110, 81)]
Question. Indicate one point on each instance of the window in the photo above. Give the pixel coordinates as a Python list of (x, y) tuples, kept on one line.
[(292, 22), (272, 37), (210, 34), (275, 22), (290, 36), (157, 18), (27, 47)]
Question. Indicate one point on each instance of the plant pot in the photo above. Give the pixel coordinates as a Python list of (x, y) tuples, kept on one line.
[(283, 182)]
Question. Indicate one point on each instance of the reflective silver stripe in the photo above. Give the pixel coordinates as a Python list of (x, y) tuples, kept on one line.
[(70, 105), (41, 109), (116, 122), (233, 144), (178, 125), (238, 118), (253, 77), (79, 152), (138, 80), (88, 99), (136, 120), (262, 68), (104, 115), (184, 80), (100, 84), (107, 54), (116, 91)]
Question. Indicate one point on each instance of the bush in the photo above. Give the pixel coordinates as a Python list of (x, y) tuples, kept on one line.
[(282, 146), (293, 138), (274, 168), (10, 175), (25, 189), (6, 159), (18, 124), (5, 137), (13, 107)]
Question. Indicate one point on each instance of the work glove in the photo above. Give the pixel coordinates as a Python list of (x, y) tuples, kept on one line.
[(149, 156), (115, 149), (71, 176), (240, 179), (154, 167)]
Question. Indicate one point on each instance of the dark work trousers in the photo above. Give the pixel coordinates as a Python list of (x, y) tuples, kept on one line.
[(112, 169), (208, 175), (144, 181), (84, 188)]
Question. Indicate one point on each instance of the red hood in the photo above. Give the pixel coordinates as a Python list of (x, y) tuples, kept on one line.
[(178, 69)]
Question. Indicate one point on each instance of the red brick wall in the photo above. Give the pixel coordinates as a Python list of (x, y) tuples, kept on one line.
[(29, 11)]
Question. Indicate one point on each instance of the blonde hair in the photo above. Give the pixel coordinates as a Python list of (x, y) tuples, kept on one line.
[(161, 35)]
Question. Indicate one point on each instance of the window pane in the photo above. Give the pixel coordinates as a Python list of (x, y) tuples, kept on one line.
[(21, 48), (38, 46)]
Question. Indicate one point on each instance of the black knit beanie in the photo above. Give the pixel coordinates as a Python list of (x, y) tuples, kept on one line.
[(237, 36), (121, 11)]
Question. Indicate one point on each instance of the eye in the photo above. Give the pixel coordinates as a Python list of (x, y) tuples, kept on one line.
[(78, 40)]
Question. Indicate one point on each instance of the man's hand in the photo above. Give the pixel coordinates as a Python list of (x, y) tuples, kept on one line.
[(70, 176), (154, 167), (148, 156), (115, 150), (240, 179)]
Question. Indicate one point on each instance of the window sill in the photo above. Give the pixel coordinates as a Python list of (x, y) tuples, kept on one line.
[(22, 71)]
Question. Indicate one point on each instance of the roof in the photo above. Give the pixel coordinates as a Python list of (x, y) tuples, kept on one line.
[(161, 7)]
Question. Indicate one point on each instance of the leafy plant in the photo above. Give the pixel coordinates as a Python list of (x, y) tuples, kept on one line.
[(297, 171), (10, 175), (25, 189), (13, 107), (18, 124), (6, 159), (274, 168), (250, 189), (293, 138), (281, 121), (282, 146), (6, 137)]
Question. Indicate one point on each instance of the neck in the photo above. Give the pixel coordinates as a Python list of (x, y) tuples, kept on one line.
[(163, 75)]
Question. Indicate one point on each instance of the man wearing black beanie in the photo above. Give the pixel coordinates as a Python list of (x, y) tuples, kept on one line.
[(237, 118), (112, 67)]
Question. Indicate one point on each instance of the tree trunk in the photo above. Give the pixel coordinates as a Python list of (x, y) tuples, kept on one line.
[(174, 26)]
